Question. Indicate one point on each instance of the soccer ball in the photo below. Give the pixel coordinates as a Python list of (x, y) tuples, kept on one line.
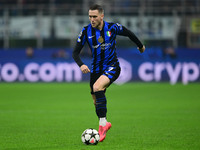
[(90, 137)]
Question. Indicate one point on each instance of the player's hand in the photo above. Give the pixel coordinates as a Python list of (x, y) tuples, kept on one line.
[(84, 69), (141, 49)]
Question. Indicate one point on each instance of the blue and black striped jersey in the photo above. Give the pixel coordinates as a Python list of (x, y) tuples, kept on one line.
[(102, 44)]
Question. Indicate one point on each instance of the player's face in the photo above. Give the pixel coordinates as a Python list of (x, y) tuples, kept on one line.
[(96, 18)]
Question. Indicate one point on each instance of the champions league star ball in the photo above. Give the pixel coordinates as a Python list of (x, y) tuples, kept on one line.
[(90, 137)]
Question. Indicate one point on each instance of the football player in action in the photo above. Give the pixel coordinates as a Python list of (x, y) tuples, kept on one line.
[(100, 36)]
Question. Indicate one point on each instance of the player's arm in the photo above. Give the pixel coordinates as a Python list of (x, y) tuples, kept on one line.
[(78, 47), (76, 53), (84, 68), (133, 37)]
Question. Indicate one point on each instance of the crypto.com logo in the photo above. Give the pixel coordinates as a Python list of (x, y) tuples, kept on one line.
[(46, 72), (187, 72)]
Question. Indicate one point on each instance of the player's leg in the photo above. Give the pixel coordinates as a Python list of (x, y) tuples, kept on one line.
[(101, 109), (101, 84), (99, 87), (93, 78), (105, 80), (98, 84), (94, 99), (108, 77)]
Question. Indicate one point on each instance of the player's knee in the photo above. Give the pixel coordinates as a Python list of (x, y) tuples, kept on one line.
[(96, 88)]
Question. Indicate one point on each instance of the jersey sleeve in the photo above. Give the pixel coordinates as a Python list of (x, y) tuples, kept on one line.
[(121, 30), (118, 28), (82, 37), (78, 47)]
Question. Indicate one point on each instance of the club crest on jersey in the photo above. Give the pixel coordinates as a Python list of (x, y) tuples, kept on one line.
[(100, 39), (108, 33)]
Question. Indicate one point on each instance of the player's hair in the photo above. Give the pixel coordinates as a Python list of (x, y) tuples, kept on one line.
[(97, 7)]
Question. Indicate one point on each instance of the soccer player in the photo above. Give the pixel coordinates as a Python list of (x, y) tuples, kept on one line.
[(100, 36)]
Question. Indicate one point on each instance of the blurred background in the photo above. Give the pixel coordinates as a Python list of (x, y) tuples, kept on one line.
[(37, 39)]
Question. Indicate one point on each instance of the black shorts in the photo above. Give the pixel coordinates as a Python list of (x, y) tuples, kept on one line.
[(112, 72)]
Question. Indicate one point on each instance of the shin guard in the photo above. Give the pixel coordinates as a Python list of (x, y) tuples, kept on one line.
[(101, 108)]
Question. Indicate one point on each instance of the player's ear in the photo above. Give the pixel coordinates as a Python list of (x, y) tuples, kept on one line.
[(102, 16)]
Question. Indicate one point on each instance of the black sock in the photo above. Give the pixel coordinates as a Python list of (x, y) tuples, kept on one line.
[(101, 102)]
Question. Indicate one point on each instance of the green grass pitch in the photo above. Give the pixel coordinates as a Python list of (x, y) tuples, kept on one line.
[(144, 116)]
